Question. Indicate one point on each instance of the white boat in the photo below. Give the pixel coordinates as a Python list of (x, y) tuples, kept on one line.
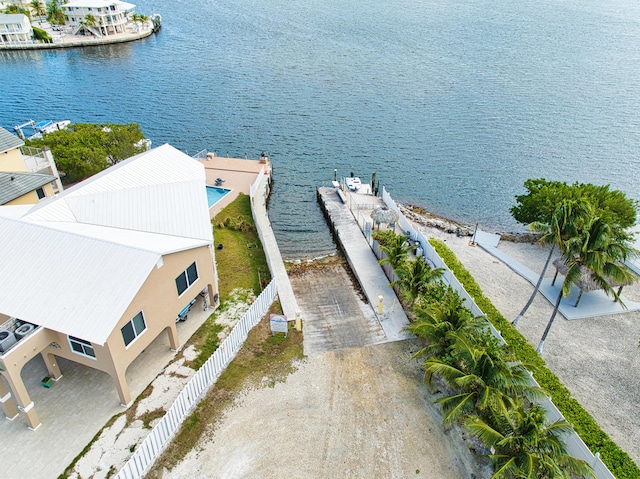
[(40, 128), (353, 183)]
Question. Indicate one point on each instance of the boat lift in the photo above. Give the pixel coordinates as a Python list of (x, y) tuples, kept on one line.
[(45, 126), (18, 128)]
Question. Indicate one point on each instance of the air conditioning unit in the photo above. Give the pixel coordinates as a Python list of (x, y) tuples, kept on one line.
[(23, 330), (7, 339)]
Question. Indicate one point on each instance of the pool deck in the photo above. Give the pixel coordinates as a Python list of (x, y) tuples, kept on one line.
[(238, 175)]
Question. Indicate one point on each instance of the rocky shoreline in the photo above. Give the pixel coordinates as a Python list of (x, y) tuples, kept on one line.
[(423, 217)]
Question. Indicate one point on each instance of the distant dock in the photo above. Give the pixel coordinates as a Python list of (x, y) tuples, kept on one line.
[(61, 39)]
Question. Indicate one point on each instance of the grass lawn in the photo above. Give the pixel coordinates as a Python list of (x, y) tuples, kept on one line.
[(241, 264)]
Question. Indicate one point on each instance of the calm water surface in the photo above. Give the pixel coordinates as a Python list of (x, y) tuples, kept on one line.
[(453, 104)]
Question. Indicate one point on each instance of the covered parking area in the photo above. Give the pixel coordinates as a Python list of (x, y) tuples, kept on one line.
[(78, 406)]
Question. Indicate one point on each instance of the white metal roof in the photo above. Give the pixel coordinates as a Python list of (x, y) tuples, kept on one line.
[(14, 211), (74, 263), (166, 186), (123, 6), (76, 285), (153, 242), (12, 18)]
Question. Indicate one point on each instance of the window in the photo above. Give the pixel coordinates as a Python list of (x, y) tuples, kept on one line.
[(40, 193), (133, 328), (187, 278), (81, 346)]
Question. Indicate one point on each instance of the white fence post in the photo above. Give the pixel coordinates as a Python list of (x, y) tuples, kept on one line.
[(575, 445), (153, 445)]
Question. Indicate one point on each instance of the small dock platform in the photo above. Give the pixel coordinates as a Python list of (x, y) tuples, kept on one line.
[(361, 258)]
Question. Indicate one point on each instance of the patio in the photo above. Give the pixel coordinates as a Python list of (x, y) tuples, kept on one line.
[(238, 175), (592, 303), (76, 408)]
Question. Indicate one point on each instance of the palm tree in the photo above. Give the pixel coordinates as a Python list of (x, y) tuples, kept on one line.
[(439, 323), (38, 7), (485, 382), (598, 250), (524, 447), (397, 251), (564, 224), (54, 13), (414, 278)]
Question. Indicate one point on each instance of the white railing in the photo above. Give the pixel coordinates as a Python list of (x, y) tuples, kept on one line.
[(575, 445), (201, 155), (160, 436), (256, 184)]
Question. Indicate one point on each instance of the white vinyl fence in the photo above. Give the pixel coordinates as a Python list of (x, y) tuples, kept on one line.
[(256, 184), (575, 445), (153, 445)]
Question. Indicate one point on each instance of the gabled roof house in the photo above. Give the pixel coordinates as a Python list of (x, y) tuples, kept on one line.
[(15, 29), (96, 273), (27, 174)]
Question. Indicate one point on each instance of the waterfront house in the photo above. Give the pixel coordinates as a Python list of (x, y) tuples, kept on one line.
[(97, 273), (27, 174), (24, 188), (15, 29), (106, 17)]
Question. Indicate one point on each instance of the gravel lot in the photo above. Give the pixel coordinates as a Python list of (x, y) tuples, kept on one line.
[(598, 358), (354, 412)]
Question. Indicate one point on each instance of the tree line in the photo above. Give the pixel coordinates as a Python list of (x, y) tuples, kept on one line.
[(487, 390), (82, 150)]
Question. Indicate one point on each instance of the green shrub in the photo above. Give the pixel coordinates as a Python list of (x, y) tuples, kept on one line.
[(618, 461), (385, 238), (40, 34)]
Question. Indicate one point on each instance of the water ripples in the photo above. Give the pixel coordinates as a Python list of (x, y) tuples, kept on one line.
[(451, 104)]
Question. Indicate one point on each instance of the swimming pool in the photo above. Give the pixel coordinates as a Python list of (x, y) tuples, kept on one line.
[(215, 194)]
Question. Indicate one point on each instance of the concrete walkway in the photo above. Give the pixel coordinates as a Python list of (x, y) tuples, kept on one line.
[(364, 264), (335, 316), (592, 303), (67, 40), (272, 252)]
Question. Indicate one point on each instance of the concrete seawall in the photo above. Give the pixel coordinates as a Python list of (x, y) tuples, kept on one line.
[(81, 42)]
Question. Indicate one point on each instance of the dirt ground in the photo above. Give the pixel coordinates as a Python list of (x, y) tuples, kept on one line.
[(357, 413), (361, 411), (357, 407)]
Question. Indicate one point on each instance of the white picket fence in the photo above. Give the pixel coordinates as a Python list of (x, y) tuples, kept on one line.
[(575, 445), (160, 436)]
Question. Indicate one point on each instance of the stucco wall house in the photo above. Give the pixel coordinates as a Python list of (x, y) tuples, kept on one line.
[(98, 272), (15, 28), (37, 175), (110, 16), (24, 188)]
